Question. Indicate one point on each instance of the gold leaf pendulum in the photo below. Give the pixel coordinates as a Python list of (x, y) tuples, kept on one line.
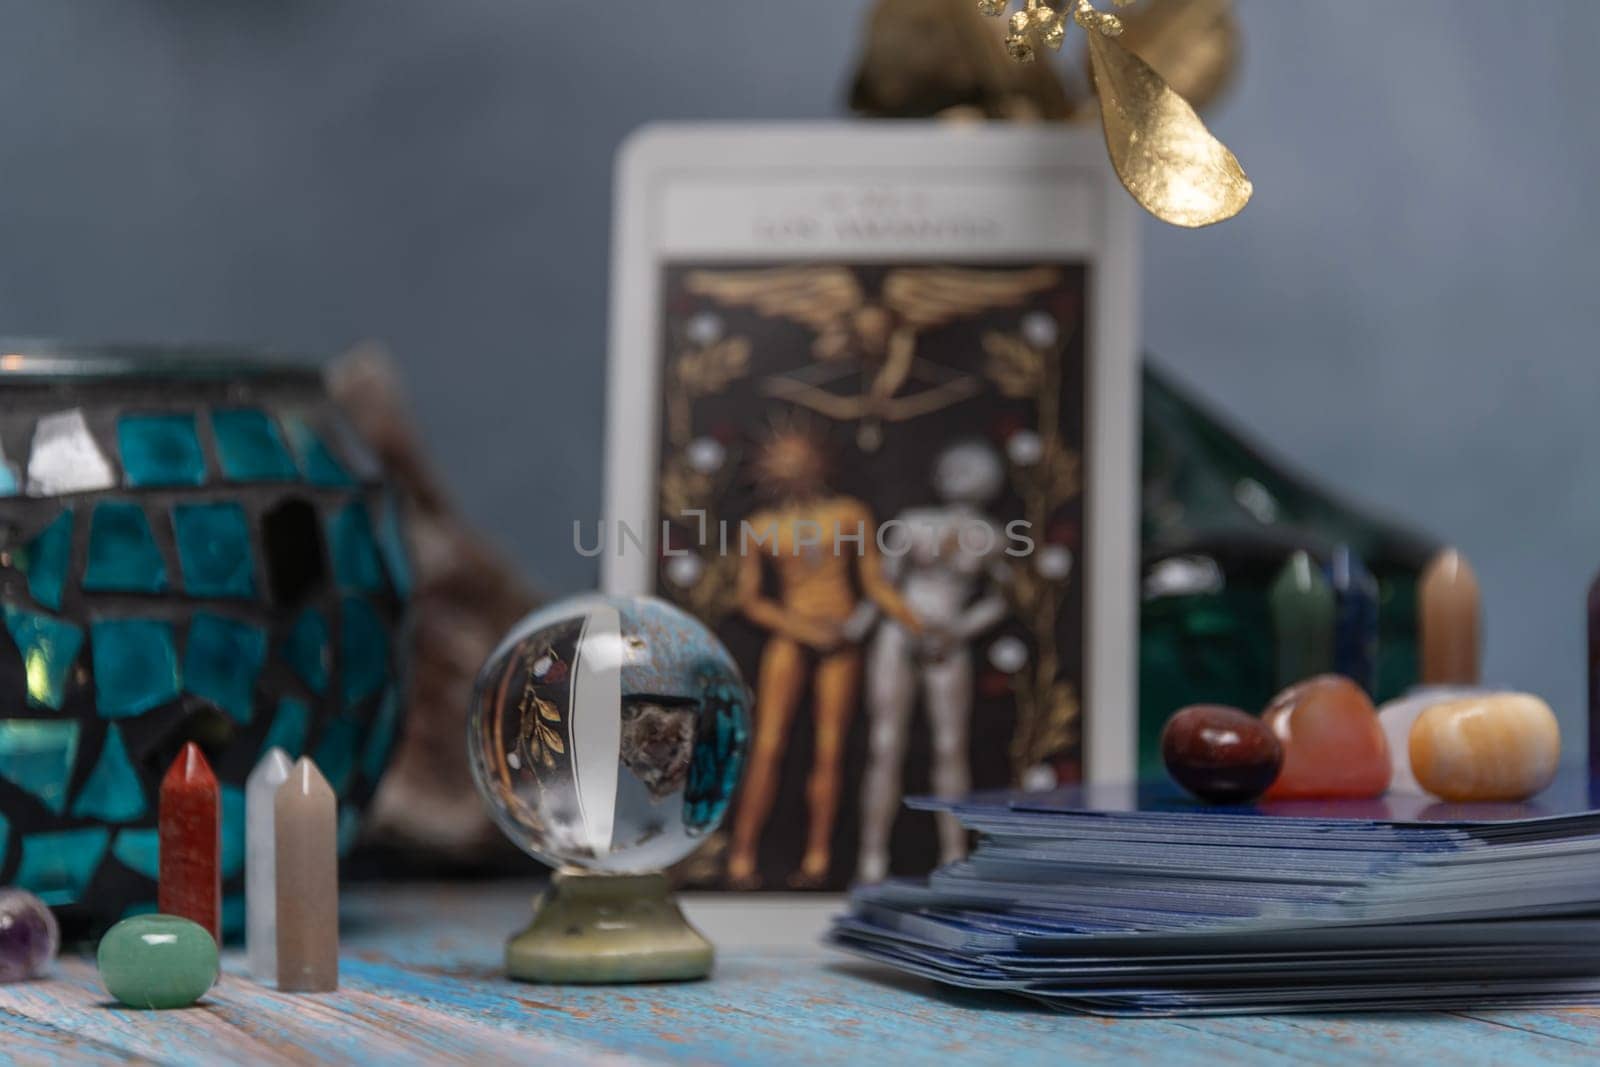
[(1164, 155), (1161, 150)]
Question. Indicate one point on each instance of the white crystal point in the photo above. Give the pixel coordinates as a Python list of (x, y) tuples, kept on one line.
[(260, 863), (65, 458)]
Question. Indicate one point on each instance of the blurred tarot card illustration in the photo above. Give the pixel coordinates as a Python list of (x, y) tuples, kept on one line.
[(871, 418)]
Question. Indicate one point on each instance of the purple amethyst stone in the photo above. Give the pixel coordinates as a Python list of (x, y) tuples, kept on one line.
[(28, 935)]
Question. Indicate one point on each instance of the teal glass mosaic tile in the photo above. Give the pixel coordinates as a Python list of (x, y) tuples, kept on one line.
[(214, 550), (57, 866), (355, 553), (317, 462), (123, 557), (306, 649), (232, 830), (160, 450), (392, 543), (139, 850), (289, 727), (45, 560), (380, 736), (349, 828), (113, 792), (250, 448), (336, 751), (5, 839), (49, 646), (222, 661), (37, 756), (135, 665), (364, 651)]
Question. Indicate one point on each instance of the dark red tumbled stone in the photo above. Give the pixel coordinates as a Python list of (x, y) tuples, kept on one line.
[(1220, 754)]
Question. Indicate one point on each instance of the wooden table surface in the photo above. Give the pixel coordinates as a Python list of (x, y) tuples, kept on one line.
[(421, 983)]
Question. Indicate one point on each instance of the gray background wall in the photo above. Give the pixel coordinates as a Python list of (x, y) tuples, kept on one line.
[(1407, 309)]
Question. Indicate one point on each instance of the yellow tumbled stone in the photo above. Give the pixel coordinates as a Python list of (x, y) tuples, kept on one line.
[(1492, 746)]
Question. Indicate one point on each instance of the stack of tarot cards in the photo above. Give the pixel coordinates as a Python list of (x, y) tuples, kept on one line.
[(1139, 901)]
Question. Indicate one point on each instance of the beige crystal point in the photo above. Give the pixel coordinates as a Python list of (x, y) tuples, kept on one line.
[(305, 812), (1494, 746), (1448, 610)]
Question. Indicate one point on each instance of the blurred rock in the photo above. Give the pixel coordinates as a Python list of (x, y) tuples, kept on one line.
[(467, 595)]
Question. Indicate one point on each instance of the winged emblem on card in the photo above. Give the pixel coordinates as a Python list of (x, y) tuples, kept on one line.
[(866, 369)]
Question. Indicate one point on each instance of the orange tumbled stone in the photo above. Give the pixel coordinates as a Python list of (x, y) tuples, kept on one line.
[(1333, 745)]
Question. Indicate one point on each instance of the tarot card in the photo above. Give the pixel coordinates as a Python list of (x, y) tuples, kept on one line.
[(872, 415)]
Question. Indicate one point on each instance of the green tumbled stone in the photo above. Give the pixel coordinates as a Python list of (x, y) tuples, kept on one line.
[(158, 961)]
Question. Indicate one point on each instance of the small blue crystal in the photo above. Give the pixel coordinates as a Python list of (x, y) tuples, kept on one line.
[(380, 736), (363, 651), (1355, 625), (306, 649), (46, 558), (135, 665), (355, 553), (48, 647), (123, 557), (160, 450), (139, 850), (37, 756), (250, 447), (336, 752), (214, 550), (57, 867), (316, 461), (222, 661), (289, 728), (113, 792)]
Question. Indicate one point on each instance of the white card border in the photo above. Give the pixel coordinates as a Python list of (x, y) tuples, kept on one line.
[(657, 155)]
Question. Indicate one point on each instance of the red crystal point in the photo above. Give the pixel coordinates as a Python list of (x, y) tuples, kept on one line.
[(191, 842)]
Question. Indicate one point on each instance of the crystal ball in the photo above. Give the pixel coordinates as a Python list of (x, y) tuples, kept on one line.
[(608, 733)]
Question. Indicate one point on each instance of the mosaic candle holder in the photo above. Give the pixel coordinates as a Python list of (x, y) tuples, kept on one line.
[(194, 546)]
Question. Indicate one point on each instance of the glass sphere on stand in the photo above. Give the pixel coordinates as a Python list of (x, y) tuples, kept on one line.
[(606, 736)]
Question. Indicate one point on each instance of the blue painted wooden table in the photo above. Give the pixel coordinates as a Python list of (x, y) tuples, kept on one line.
[(421, 984)]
